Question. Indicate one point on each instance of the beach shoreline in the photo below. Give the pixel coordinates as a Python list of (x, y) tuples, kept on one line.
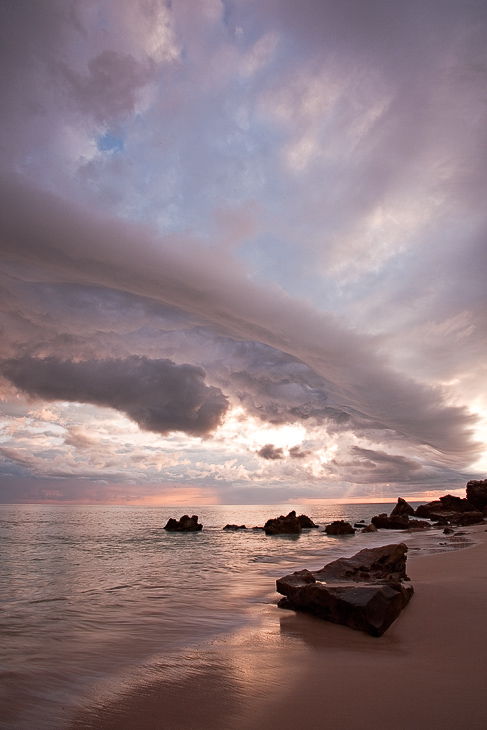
[(290, 669)]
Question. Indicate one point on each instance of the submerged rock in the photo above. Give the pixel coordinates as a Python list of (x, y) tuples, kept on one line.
[(184, 524), (365, 592), (283, 525), (234, 528), (340, 527)]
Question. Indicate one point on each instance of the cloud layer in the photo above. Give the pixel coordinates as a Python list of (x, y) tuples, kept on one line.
[(255, 230)]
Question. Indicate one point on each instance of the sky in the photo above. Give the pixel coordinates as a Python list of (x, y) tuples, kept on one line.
[(243, 250)]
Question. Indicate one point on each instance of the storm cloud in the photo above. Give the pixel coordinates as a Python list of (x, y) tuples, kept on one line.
[(157, 394)]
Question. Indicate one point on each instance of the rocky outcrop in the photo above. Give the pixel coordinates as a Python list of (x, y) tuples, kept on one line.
[(419, 525), (234, 528), (402, 508), (394, 522), (184, 524), (465, 519), (339, 527), (306, 522), (369, 528), (365, 592), (477, 493), (456, 510), (283, 525)]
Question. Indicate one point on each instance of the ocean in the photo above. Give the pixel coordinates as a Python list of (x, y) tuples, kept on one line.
[(89, 594)]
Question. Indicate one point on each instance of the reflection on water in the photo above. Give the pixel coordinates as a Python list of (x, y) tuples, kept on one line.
[(87, 592)]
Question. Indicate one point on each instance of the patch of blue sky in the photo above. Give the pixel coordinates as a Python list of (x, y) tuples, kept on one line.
[(110, 142)]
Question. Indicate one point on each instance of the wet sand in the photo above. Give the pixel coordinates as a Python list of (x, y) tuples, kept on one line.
[(295, 671)]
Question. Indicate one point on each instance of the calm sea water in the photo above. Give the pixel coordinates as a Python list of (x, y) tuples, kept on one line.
[(88, 592)]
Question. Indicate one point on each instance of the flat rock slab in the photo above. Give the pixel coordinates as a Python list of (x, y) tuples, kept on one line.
[(365, 592)]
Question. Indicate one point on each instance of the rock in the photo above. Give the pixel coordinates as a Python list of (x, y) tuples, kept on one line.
[(451, 510), (402, 508), (449, 503), (467, 518), (448, 531), (359, 524), (365, 592), (306, 522), (234, 528), (383, 522), (339, 527), (283, 525), (419, 525), (185, 524), (369, 528), (431, 510), (477, 493), (440, 521), (443, 507)]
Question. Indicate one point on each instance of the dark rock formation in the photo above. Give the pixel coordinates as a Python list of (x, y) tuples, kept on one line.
[(419, 525), (283, 525), (185, 524), (467, 518), (364, 592), (451, 509), (399, 518), (477, 493), (431, 510), (234, 528), (394, 522), (440, 521), (306, 522), (446, 504), (339, 527), (369, 528), (402, 508), (450, 503)]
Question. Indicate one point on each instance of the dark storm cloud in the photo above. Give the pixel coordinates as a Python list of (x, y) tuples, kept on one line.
[(157, 394), (271, 452)]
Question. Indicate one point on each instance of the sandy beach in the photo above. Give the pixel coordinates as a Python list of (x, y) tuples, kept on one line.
[(294, 670)]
